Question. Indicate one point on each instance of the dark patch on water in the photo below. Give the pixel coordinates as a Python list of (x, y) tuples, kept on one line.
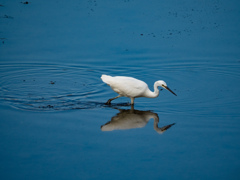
[(73, 105), (52, 82), (7, 17), (26, 2)]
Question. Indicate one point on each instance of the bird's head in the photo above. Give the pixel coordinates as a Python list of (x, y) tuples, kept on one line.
[(164, 85)]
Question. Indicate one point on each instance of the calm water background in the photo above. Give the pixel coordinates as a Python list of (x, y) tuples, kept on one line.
[(54, 124)]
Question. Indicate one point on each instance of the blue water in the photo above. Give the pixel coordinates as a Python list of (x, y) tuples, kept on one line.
[(54, 123)]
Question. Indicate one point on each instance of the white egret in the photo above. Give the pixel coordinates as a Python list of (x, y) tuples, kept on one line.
[(132, 88)]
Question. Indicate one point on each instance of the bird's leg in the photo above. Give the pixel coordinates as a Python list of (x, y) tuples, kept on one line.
[(132, 108), (109, 101), (132, 101)]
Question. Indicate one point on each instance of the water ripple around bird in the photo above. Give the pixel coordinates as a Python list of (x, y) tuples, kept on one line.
[(201, 85), (47, 87)]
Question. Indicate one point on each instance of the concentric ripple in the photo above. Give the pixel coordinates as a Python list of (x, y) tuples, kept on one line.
[(203, 87), (44, 87)]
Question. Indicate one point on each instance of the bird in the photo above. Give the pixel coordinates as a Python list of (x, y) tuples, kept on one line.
[(132, 87)]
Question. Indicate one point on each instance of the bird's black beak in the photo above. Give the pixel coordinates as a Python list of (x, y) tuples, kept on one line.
[(169, 90)]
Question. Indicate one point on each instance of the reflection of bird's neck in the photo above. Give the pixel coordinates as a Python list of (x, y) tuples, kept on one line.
[(154, 94)]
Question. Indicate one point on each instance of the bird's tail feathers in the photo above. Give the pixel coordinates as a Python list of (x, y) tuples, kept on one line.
[(106, 78)]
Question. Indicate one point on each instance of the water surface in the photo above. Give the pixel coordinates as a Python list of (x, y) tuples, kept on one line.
[(54, 121)]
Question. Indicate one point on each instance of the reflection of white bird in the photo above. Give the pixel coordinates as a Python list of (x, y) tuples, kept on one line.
[(130, 119), (132, 88)]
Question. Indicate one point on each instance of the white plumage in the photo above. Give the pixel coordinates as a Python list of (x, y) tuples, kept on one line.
[(132, 88), (126, 86)]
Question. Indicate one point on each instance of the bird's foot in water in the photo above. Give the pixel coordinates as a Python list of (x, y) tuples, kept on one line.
[(108, 102), (130, 104)]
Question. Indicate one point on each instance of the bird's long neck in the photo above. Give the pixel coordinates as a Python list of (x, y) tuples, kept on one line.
[(154, 94)]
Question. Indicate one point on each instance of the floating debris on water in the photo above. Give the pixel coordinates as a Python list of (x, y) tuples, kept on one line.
[(52, 82), (26, 2), (7, 17)]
